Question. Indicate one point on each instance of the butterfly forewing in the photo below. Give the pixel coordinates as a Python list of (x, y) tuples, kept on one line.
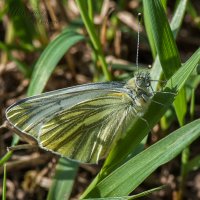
[(28, 114), (79, 122), (88, 137)]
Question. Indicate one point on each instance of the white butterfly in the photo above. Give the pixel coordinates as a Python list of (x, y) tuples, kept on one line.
[(82, 122)]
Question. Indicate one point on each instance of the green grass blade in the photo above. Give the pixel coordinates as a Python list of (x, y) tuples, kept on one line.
[(137, 196), (156, 70), (120, 183), (4, 184), (150, 35), (93, 36), (166, 48), (162, 36), (175, 25), (49, 59), (139, 129), (5, 158), (178, 17), (63, 180)]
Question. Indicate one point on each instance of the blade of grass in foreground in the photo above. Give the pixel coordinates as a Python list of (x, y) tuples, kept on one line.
[(63, 180), (175, 25), (49, 59), (155, 111), (137, 196), (93, 37), (166, 48), (139, 129), (4, 184), (121, 183)]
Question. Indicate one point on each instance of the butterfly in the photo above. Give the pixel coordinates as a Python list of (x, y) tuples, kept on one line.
[(82, 122)]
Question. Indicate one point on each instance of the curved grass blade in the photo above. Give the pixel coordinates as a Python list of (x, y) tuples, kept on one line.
[(49, 59), (139, 130), (120, 183), (137, 196), (4, 184), (175, 25), (166, 48), (163, 37), (93, 37), (63, 180)]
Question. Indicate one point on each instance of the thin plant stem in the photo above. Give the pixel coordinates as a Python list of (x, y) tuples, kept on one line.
[(90, 10), (184, 171), (192, 104), (185, 154), (93, 36), (4, 184), (6, 157)]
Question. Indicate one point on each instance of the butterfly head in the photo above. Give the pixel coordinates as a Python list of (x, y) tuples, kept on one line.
[(140, 86), (142, 80)]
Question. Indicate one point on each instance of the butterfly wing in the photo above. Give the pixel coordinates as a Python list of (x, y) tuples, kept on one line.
[(79, 123)]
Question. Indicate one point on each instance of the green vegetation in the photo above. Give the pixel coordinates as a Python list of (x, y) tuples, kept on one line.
[(48, 41)]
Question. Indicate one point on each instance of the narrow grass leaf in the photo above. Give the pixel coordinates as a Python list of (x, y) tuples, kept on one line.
[(49, 59), (5, 158), (166, 48), (175, 25), (63, 180), (4, 184), (137, 196), (150, 35), (162, 37), (93, 37), (139, 129), (120, 183), (178, 17)]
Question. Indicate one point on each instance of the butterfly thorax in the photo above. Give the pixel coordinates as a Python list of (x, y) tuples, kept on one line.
[(139, 89)]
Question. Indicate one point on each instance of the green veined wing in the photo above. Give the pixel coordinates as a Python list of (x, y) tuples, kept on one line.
[(80, 122)]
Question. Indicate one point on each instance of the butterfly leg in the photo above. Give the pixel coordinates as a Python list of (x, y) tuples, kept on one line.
[(162, 92), (22, 146), (146, 122), (22, 135)]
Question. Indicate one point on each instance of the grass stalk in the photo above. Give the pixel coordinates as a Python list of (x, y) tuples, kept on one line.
[(93, 36), (4, 184)]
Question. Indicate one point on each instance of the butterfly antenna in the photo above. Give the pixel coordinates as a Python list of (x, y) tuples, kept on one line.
[(138, 39)]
